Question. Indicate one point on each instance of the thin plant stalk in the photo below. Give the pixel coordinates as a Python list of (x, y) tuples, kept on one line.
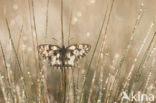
[(123, 57), (59, 86), (33, 43), (63, 68), (138, 20), (4, 91), (18, 62), (39, 68), (151, 66), (68, 73), (6, 68), (87, 72), (128, 78), (69, 28), (101, 51), (20, 35), (46, 27), (62, 23), (137, 75), (139, 69), (47, 100), (129, 44)]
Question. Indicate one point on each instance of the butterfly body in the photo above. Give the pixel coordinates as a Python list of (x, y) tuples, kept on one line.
[(63, 57)]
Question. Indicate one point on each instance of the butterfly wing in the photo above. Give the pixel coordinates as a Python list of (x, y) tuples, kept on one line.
[(54, 54), (50, 53), (75, 52)]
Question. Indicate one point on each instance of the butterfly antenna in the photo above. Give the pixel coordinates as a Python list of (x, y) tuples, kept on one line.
[(69, 39), (56, 40), (69, 28), (62, 23)]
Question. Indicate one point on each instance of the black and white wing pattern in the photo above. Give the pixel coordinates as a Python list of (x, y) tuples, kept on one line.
[(50, 53), (75, 52), (63, 57)]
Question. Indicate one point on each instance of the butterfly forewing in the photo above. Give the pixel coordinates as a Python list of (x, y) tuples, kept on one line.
[(50, 53), (75, 52)]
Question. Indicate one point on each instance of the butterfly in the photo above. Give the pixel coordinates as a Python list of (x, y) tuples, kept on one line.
[(59, 57)]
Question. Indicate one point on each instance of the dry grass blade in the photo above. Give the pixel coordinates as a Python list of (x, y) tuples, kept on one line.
[(5, 64), (46, 27), (69, 28), (138, 20), (125, 54), (19, 40), (38, 78), (101, 51), (87, 72), (34, 46), (133, 66), (139, 69), (18, 62)]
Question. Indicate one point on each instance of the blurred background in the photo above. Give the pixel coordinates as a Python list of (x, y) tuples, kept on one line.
[(131, 24)]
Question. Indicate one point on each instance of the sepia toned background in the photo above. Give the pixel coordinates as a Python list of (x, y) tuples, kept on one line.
[(131, 24)]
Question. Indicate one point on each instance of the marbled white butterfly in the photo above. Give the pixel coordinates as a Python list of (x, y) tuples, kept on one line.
[(63, 57)]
